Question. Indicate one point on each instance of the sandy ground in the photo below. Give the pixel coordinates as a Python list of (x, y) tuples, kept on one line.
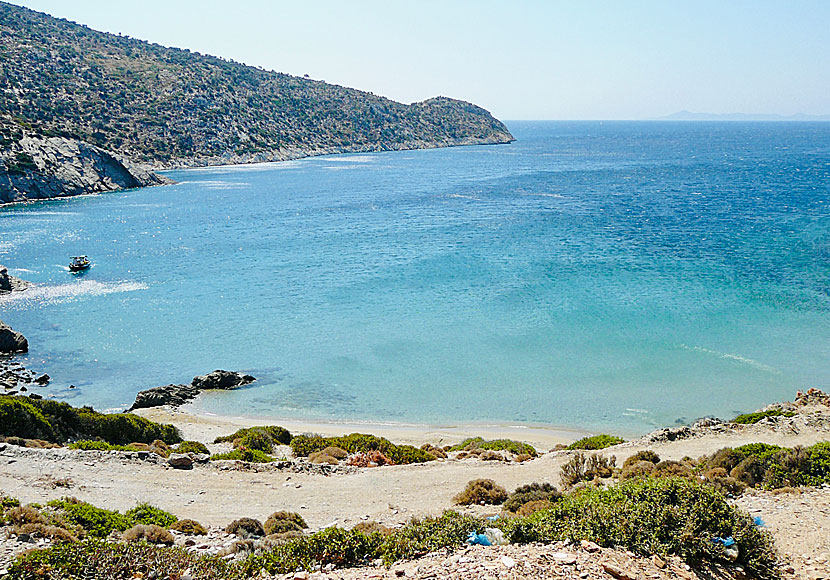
[(217, 494)]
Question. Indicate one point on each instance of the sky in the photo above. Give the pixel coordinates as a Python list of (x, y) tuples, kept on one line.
[(520, 59)]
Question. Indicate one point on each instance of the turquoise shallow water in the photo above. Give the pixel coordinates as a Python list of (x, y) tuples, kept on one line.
[(599, 275)]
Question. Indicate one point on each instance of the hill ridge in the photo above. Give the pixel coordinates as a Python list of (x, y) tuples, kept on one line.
[(167, 108)]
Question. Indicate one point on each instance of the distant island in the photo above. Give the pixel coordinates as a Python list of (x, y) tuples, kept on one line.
[(689, 116), (83, 111)]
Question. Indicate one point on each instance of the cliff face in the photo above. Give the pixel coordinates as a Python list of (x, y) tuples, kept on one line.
[(166, 107), (45, 167)]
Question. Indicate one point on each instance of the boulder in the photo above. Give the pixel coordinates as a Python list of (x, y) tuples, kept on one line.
[(180, 461), (173, 395), (9, 283), (220, 379), (12, 341)]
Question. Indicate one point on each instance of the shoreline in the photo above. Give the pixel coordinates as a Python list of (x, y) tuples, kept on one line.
[(200, 425)]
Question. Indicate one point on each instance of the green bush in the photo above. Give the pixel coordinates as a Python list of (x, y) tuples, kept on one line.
[(422, 536), (762, 451), (334, 546), (146, 514), (516, 447), (752, 418), (59, 422), (596, 442), (255, 440), (276, 434), (249, 455), (19, 418), (531, 492), (191, 447), (89, 445), (97, 522), (303, 446), (652, 516), (98, 560)]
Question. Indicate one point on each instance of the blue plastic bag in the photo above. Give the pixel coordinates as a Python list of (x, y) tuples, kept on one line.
[(480, 539), (725, 542)]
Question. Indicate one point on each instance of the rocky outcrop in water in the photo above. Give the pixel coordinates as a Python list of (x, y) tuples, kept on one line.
[(12, 341), (175, 395), (35, 167), (220, 379), (9, 283)]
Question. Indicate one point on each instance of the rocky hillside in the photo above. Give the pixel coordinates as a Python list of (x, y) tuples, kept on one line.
[(39, 167), (167, 107)]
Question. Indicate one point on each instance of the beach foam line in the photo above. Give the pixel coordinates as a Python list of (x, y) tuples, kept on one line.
[(736, 357), (64, 292)]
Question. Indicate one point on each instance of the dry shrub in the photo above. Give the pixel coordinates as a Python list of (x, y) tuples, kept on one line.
[(22, 515), (462, 455), (672, 469), (336, 452), (246, 528), (522, 457), (491, 456), (637, 469), (150, 533), (787, 489), (247, 546), (725, 458), (749, 471), (533, 507), (481, 491), (583, 467), (54, 533), (321, 457), (139, 446), (273, 540), (282, 521), (189, 527), (372, 527), (369, 459), (645, 455), (436, 451), (159, 447)]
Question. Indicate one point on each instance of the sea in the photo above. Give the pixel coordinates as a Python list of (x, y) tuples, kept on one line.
[(605, 276)]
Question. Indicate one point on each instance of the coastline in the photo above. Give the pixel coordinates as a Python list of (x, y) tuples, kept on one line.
[(203, 426)]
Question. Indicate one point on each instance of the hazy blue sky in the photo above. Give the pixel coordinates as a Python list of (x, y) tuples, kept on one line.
[(519, 59)]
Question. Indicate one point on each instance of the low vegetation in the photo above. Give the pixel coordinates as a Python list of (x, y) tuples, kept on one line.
[(582, 467), (596, 442), (282, 521), (249, 455), (752, 418), (515, 447), (669, 516), (59, 422), (531, 493), (191, 447), (481, 491), (304, 445), (652, 516), (262, 438), (189, 527)]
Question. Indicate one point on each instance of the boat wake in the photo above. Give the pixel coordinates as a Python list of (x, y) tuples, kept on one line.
[(66, 292)]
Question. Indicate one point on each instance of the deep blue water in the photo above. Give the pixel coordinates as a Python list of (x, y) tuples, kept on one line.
[(602, 275)]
